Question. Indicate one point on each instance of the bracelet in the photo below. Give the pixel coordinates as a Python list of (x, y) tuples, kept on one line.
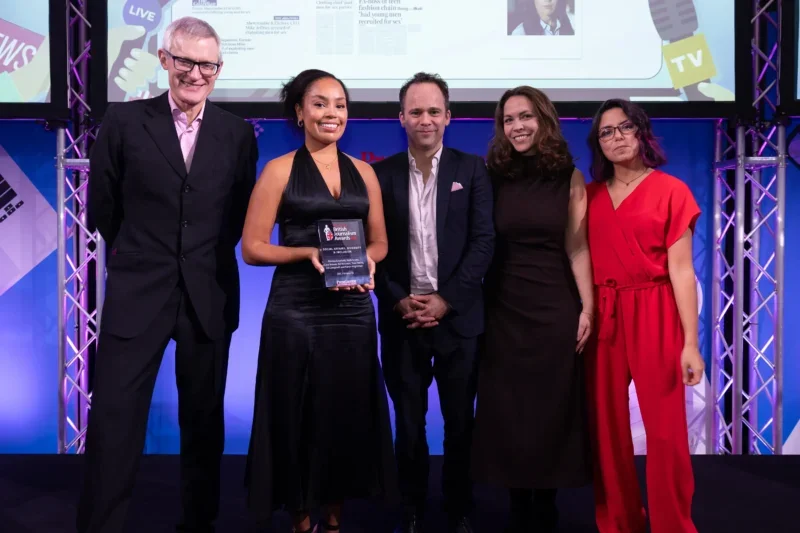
[(590, 315)]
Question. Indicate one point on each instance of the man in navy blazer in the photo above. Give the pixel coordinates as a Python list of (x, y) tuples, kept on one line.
[(438, 209)]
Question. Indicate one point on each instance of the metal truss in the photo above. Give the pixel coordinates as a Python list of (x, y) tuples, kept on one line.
[(79, 248), (746, 415)]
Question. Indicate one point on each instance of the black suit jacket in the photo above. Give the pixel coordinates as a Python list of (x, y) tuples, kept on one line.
[(464, 235), (162, 223)]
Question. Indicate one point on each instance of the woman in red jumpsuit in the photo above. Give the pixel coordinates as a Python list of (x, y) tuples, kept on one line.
[(640, 225)]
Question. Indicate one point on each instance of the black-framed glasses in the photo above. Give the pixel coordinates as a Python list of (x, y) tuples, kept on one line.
[(607, 133), (185, 64)]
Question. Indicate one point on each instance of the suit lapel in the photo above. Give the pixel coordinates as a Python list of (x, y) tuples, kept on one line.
[(207, 147), (161, 127), (400, 183), (444, 182), (400, 189)]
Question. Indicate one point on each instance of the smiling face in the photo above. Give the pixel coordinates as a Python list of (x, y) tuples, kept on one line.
[(520, 123), (424, 116), (617, 135), (191, 88), (324, 111)]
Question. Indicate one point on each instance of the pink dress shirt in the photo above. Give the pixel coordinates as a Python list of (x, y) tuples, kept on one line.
[(187, 133)]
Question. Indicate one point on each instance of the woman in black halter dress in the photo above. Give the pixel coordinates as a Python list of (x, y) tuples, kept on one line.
[(321, 431)]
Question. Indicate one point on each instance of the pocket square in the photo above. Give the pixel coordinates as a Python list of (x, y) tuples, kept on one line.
[(456, 187)]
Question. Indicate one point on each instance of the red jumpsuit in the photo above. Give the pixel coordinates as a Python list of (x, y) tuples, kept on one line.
[(638, 334)]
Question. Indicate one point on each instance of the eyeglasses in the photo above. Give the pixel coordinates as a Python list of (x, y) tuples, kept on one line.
[(607, 133), (184, 64)]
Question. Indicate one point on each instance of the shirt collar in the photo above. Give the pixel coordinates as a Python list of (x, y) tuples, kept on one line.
[(547, 27), (179, 115), (436, 157)]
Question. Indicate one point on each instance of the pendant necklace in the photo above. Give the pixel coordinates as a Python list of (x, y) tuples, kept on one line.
[(326, 165), (628, 183)]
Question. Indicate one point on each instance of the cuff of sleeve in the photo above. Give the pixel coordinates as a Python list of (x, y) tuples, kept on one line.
[(397, 294), (450, 298), (689, 221)]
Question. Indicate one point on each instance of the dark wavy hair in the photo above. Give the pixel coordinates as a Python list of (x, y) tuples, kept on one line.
[(549, 146), (649, 150), (293, 91)]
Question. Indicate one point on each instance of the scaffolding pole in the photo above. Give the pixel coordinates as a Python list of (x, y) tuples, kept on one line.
[(78, 245), (746, 415)]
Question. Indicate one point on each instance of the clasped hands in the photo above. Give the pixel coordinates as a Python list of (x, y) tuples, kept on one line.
[(313, 256), (422, 310)]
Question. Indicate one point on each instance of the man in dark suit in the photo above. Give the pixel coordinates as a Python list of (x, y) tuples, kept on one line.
[(438, 209), (170, 182)]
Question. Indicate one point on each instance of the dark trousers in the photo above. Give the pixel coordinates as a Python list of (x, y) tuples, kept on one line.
[(411, 359), (125, 375)]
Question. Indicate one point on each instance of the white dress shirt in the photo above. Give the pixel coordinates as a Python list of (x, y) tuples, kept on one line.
[(546, 28), (422, 227)]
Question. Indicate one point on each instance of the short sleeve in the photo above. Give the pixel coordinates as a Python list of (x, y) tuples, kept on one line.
[(683, 212)]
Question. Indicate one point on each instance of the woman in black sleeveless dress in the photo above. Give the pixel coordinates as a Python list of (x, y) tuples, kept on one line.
[(530, 429), (321, 431)]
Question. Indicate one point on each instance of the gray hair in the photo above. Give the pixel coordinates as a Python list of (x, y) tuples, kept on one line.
[(190, 27)]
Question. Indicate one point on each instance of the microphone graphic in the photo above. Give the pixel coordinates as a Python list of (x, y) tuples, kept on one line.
[(687, 54), (145, 13)]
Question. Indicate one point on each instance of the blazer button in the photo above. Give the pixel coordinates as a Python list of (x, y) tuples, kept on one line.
[(184, 223), (186, 188), (183, 258)]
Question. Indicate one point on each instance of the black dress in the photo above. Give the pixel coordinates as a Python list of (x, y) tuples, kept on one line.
[(321, 430), (530, 427)]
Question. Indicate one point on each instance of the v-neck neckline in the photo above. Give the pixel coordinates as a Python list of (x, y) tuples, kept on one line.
[(636, 188), (318, 172)]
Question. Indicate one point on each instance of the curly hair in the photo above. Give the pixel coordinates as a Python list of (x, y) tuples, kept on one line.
[(553, 155), (649, 150)]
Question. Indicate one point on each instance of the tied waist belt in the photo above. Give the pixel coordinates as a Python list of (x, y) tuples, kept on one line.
[(607, 294)]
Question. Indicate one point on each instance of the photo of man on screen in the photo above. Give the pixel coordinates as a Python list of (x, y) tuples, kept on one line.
[(541, 17)]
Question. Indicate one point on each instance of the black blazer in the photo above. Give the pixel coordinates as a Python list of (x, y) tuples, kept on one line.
[(161, 223), (465, 238)]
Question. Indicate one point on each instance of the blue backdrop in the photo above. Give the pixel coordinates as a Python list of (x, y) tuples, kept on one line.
[(28, 329), (28, 335)]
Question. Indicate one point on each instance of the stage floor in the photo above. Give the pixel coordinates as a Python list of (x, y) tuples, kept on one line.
[(734, 495)]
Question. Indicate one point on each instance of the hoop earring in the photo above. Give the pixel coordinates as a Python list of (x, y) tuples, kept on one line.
[(299, 123)]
